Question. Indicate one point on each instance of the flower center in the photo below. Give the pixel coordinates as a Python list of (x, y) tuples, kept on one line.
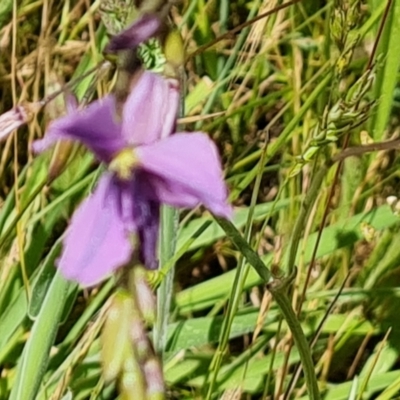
[(124, 163)]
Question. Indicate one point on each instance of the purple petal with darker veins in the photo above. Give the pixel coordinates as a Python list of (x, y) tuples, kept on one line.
[(148, 235), (141, 30), (150, 110), (95, 127), (184, 170), (96, 241), (146, 213)]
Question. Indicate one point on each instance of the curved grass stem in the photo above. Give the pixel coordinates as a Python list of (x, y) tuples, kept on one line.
[(278, 289)]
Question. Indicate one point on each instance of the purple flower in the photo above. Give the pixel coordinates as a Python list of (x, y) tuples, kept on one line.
[(147, 167), (16, 117)]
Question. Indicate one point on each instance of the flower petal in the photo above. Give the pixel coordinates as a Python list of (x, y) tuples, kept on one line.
[(11, 120), (96, 241), (95, 127), (148, 235), (141, 30), (150, 110), (146, 213), (185, 170)]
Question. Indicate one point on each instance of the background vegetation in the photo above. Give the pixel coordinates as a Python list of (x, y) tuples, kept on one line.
[(283, 96)]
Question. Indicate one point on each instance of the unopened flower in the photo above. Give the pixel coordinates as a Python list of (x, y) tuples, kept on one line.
[(147, 167), (16, 117)]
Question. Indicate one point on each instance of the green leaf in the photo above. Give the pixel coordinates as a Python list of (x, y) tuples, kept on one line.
[(32, 365), (386, 81)]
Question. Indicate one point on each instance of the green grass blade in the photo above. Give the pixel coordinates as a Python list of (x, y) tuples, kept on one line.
[(35, 357), (387, 78), (168, 237)]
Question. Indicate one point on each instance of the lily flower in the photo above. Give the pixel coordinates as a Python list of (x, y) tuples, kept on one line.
[(147, 167)]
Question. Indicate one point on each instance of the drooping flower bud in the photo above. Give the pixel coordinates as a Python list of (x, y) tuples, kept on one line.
[(16, 117)]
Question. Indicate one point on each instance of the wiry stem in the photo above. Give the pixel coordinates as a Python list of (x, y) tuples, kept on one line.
[(278, 289)]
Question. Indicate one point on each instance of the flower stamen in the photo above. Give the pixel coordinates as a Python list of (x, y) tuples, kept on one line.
[(124, 163)]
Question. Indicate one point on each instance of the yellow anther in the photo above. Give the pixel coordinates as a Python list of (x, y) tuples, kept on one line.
[(124, 163)]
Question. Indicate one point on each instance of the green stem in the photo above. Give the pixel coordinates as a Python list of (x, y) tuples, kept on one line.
[(245, 249), (306, 206), (168, 240), (282, 299), (237, 288), (278, 288), (168, 237)]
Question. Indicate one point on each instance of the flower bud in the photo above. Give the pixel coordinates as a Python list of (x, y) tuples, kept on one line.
[(16, 117), (174, 49), (144, 295), (154, 379), (132, 384), (115, 336)]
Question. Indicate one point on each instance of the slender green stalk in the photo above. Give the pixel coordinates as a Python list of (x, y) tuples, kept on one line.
[(281, 297), (237, 288), (386, 81), (306, 206), (168, 240), (249, 254), (278, 289)]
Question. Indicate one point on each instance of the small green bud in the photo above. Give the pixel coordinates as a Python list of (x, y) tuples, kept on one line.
[(335, 113), (297, 167), (336, 28), (310, 153), (318, 133), (174, 49), (332, 135), (360, 88), (354, 14)]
